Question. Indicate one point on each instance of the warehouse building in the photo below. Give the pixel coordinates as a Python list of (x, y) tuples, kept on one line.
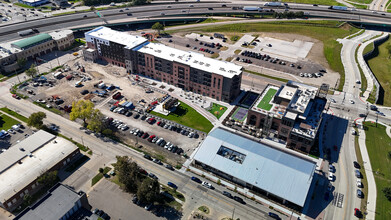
[(23, 163), (292, 113), (188, 70), (33, 3), (60, 202), (265, 170)]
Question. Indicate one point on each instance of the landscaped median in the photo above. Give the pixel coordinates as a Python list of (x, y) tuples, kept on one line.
[(100, 175), (187, 116), (378, 144)]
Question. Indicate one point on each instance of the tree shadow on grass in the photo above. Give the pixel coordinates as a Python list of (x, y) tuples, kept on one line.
[(2, 122), (179, 111)]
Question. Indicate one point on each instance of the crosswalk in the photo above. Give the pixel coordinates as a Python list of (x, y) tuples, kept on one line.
[(338, 199)]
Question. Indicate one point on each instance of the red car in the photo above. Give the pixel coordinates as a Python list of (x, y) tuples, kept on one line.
[(142, 171), (151, 137), (151, 120), (145, 135), (15, 96), (158, 123)]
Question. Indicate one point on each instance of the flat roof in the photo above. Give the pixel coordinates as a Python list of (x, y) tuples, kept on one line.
[(277, 172), (54, 205), (287, 92), (107, 34), (57, 35), (27, 42), (43, 158), (264, 101), (193, 59), (23, 148)]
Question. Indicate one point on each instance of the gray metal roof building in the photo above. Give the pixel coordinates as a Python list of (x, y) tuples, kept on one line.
[(277, 172), (61, 202)]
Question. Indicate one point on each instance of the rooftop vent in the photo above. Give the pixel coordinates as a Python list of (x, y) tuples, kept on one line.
[(207, 64)]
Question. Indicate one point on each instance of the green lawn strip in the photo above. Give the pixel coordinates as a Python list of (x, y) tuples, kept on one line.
[(264, 103), (356, 34), (216, 109), (173, 192), (372, 96), (189, 117), (368, 48), (23, 5), (6, 122), (319, 2), (99, 176), (80, 146), (267, 76), (54, 110), (363, 172), (361, 1), (204, 209), (77, 163), (363, 78), (359, 6), (16, 115), (381, 66), (378, 146), (325, 31)]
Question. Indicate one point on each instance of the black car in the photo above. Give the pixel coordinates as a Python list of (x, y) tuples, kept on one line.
[(174, 149), (135, 199), (168, 166), (227, 194), (356, 165), (84, 92), (128, 114), (143, 117), (146, 156), (238, 199), (274, 215), (195, 179)]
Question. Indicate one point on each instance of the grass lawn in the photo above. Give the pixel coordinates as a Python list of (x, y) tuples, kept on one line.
[(267, 76), (362, 75), (381, 67), (23, 5), (16, 115), (368, 48), (6, 122), (189, 117), (217, 110), (319, 2), (325, 31), (99, 176), (54, 110), (379, 145), (173, 192), (356, 34), (264, 103)]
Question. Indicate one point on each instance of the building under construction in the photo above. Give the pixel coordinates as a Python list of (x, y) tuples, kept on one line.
[(170, 104)]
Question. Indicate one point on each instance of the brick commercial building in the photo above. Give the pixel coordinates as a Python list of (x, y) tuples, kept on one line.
[(187, 70), (23, 163), (32, 47), (292, 112)]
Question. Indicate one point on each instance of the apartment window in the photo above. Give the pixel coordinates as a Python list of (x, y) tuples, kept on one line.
[(218, 84), (14, 200), (214, 82), (9, 204)]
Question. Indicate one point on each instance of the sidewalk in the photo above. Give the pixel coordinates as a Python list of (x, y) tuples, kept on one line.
[(372, 192)]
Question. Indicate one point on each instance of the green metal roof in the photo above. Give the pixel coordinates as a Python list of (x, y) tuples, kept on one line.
[(25, 43)]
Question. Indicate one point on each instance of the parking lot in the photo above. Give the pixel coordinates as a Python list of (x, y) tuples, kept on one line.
[(14, 13), (14, 136), (260, 53), (98, 82)]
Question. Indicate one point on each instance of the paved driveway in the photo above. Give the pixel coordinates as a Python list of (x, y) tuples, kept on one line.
[(118, 204)]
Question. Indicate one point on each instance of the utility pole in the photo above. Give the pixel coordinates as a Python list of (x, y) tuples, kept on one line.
[(82, 142), (233, 213)]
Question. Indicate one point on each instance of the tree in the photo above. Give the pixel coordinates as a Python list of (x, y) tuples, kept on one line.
[(101, 170), (82, 109), (96, 121), (48, 179), (158, 27), (128, 173), (149, 190), (36, 119), (31, 71), (139, 2), (107, 132), (388, 47), (387, 192), (21, 62), (92, 8)]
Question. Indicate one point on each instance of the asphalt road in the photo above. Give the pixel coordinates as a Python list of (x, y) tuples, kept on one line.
[(68, 21)]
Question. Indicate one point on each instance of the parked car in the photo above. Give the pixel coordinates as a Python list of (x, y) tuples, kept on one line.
[(358, 173), (207, 185), (195, 179), (238, 199), (360, 194), (357, 213), (356, 165), (227, 194), (157, 161), (168, 166), (153, 176), (170, 184), (146, 156), (273, 215)]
